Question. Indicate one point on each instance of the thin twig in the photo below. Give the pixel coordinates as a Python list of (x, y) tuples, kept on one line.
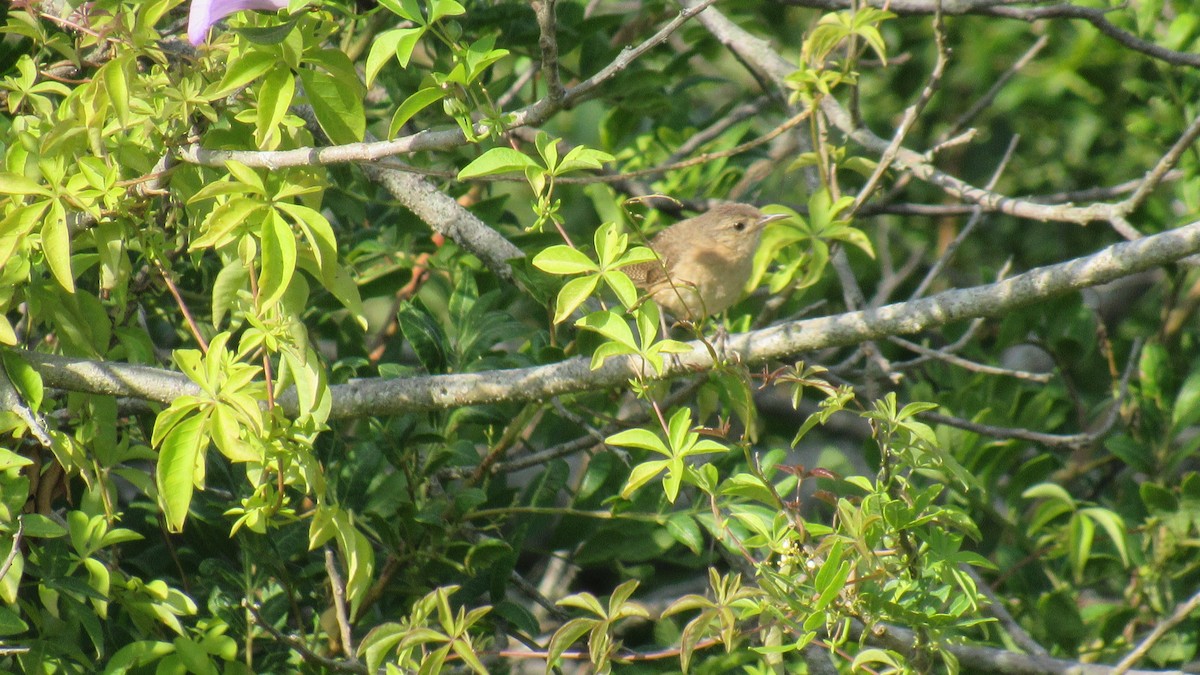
[(1181, 612), (16, 548), (975, 219), (911, 113), (548, 43), (302, 648), (183, 308), (997, 609), (695, 141), (1008, 433), (990, 95), (967, 364), (1164, 165), (339, 600)]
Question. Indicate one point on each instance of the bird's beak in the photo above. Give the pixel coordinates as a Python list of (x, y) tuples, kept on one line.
[(772, 218)]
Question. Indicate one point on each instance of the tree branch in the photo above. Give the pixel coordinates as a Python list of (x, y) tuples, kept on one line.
[(1004, 8), (397, 396)]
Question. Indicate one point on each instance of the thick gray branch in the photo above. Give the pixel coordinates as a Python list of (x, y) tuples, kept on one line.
[(448, 217), (396, 396)]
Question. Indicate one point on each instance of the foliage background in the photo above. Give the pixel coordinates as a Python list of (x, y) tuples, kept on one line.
[(258, 408)]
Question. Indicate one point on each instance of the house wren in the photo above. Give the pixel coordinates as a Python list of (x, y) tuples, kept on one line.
[(703, 262)]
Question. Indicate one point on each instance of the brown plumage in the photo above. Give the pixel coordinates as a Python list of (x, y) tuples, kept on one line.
[(704, 262)]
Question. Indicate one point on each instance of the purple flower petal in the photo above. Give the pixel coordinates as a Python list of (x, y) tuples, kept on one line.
[(204, 13)]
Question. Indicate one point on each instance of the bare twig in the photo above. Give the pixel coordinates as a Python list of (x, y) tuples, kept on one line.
[(997, 609), (183, 308), (1164, 165), (338, 586), (16, 548), (302, 648), (1181, 612), (911, 113), (725, 121), (548, 42), (973, 659), (967, 364), (1052, 440), (990, 95), (974, 220)]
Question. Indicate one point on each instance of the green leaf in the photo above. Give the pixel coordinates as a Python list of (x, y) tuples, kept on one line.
[(274, 97), (116, 88), (137, 654), (572, 295), (11, 622), (13, 184), (609, 324), (268, 35), (683, 529), (638, 438), (1081, 533), (581, 157), (278, 259), (1186, 410), (623, 287), (318, 233), (232, 279), (406, 9), (678, 428), (566, 636), (176, 475), (337, 105), (608, 350), (383, 48), (407, 44), (674, 478), (56, 246), (246, 176), (426, 339), (412, 105), (27, 381), (443, 8), (562, 259), (37, 525), (11, 460), (1113, 525), (497, 161), (241, 72), (1051, 491)]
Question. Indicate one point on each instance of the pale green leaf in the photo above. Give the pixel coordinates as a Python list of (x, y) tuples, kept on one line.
[(278, 260), (176, 474), (562, 259), (497, 161), (56, 246), (572, 295)]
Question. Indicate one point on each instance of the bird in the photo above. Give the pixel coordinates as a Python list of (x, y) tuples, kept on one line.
[(703, 262)]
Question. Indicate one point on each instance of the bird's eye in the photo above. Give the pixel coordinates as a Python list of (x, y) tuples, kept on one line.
[(739, 225)]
